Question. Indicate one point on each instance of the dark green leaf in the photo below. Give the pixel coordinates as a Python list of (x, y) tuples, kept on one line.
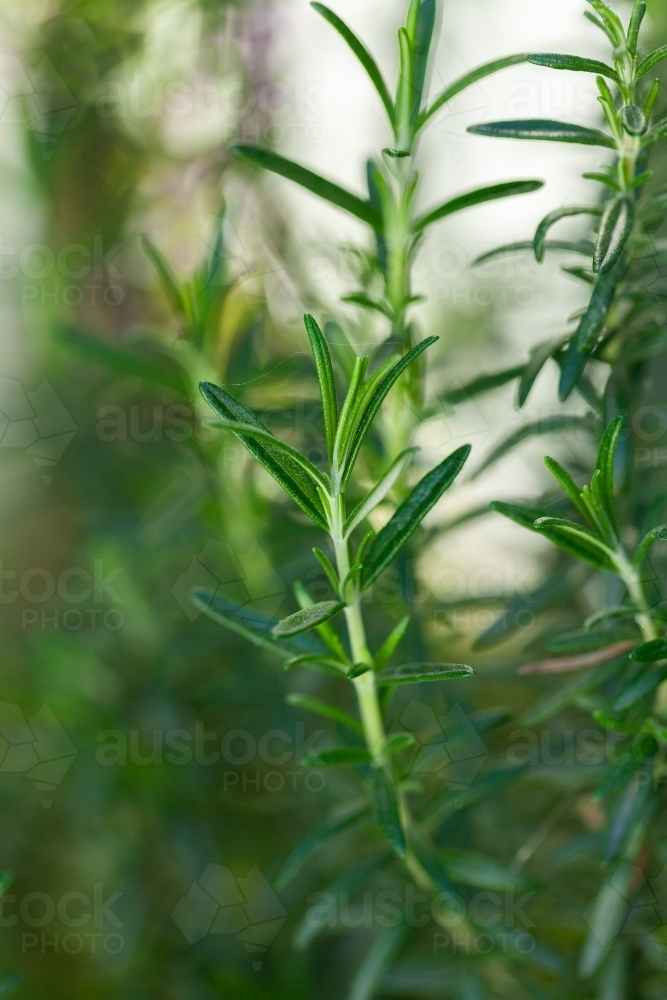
[(519, 513), (318, 661), (483, 383), (635, 801), (544, 129), (577, 541), (362, 54), (409, 515), (651, 60), (583, 247), (644, 685), (565, 695), (651, 652), (314, 922), (325, 376), (375, 402), (336, 823), (477, 197), (218, 610), (583, 342), (452, 803), (380, 491), (554, 61), (388, 647), (337, 757), (540, 241), (615, 231), (644, 547), (415, 673), (386, 810), (377, 961), (323, 708), (557, 423), (422, 47), (284, 469), (307, 619), (605, 466), (539, 356), (247, 430), (325, 563), (467, 81), (632, 757), (567, 482), (325, 189)]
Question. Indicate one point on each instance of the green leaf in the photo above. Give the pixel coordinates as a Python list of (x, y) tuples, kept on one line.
[(644, 547), (218, 610), (325, 631), (523, 608), (397, 743), (605, 466), (584, 340), (314, 921), (377, 962), (318, 661), (422, 47), (380, 491), (568, 484), (339, 820), (637, 799), (655, 134), (651, 60), (325, 563), (166, 274), (409, 515), (337, 757), (375, 402), (326, 379), (519, 513), (276, 461), (415, 673), (246, 430), (388, 647), (577, 541), (583, 247), (350, 409), (539, 356), (451, 804), (481, 872), (467, 80), (154, 367), (567, 693), (650, 652), (544, 129), (620, 773), (476, 197), (386, 810), (613, 25), (644, 685), (9, 982), (550, 220), (615, 231), (323, 708), (307, 619), (555, 61), (607, 918), (557, 423), (483, 383), (325, 189), (362, 54)]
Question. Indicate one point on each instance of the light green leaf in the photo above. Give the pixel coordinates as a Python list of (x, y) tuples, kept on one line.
[(409, 515), (375, 402), (350, 409), (539, 356), (477, 197), (325, 189), (339, 820), (326, 379), (467, 80), (166, 274), (307, 619), (638, 13), (519, 513), (655, 134), (544, 129), (481, 872), (553, 60), (422, 47), (379, 492), (568, 484), (635, 123), (483, 383), (415, 673), (386, 810), (605, 467), (324, 630), (397, 743), (615, 231), (388, 647), (557, 423), (331, 573), (317, 661), (607, 918), (362, 54), (644, 547), (651, 60), (583, 247), (540, 241), (323, 708), (285, 470), (377, 962)]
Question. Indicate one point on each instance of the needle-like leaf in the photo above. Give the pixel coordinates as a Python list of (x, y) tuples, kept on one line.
[(615, 231), (546, 130), (326, 379), (552, 218), (306, 619), (467, 80), (646, 65), (477, 197), (416, 673), (380, 491)]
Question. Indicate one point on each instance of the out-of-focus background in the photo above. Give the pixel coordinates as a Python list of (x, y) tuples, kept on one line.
[(140, 742)]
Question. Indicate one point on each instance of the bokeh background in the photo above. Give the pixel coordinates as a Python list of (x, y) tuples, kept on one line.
[(116, 794)]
